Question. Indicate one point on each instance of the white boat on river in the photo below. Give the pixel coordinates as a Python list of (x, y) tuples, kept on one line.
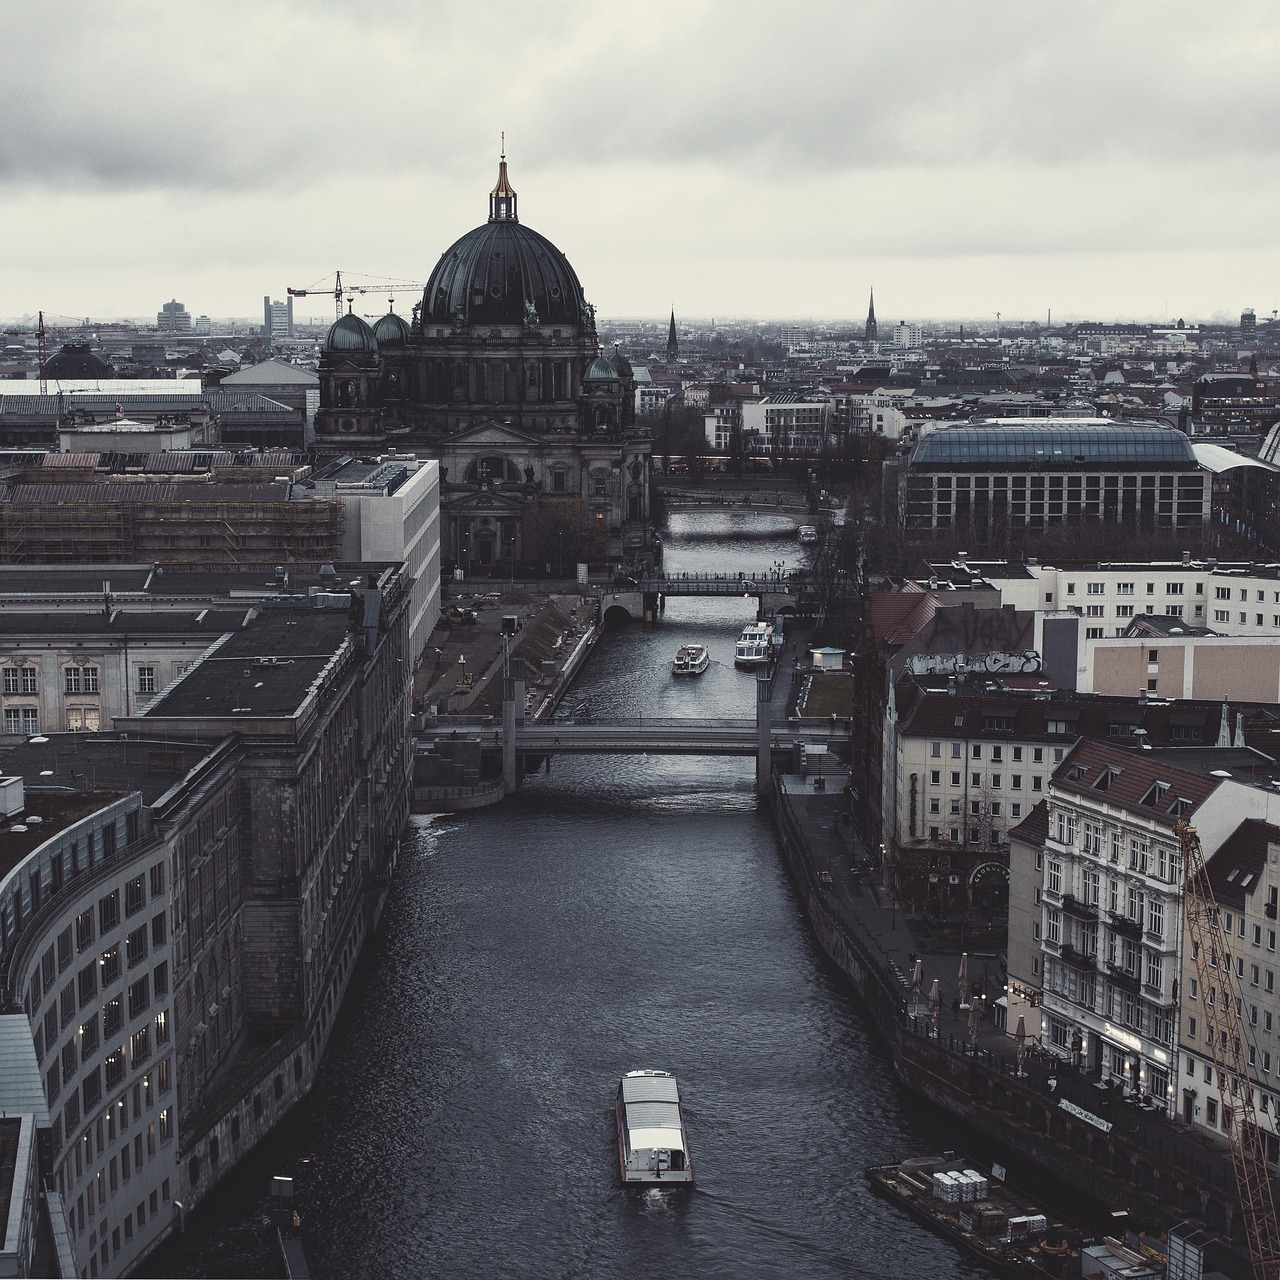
[(652, 1145), (691, 660)]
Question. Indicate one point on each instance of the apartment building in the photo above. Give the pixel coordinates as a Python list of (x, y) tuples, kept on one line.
[(1110, 883), (786, 422)]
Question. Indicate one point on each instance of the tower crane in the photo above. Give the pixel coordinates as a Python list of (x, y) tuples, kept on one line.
[(338, 288), (1220, 995)]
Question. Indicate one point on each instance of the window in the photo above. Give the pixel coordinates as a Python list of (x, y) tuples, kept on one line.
[(139, 997), (1173, 588), (1222, 593), (83, 719), (110, 962), (975, 779), (1155, 918), (20, 680), (111, 1017), (135, 896), (109, 911), (84, 930), (1124, 611), (955, 779), (1015, 781), (1124, 588), (1173, 610), (135, 947), (1053, 876), (1093, 633), (935, 777), (159, 924), (956, 751), (140, 1046), (24, 720), (1053, 927), (81, 679), (1095, 588), (146, 679), (1095, 611), (977, 751), (935, 750)]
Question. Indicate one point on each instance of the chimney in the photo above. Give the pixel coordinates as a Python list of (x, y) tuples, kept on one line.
[(1239, 742), (1186, 557), (951, 685)]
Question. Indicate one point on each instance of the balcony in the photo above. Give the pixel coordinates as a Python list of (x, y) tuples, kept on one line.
[(1073, 906), (1125, 981), (1078, 959), (1122, 924)]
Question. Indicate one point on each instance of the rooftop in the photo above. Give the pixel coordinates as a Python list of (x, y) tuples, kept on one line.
[(1235, 868), (268, 668), (1061, 443)]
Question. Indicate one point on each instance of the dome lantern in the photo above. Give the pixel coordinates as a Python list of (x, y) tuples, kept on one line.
[(502, 199)]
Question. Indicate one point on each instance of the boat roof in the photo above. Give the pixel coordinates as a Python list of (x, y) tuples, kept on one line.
[(652, 1107)]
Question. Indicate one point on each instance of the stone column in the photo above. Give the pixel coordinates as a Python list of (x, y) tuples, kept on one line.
[(764, 725)]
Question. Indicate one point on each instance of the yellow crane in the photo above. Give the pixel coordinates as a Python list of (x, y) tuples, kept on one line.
[(1221, 1001)]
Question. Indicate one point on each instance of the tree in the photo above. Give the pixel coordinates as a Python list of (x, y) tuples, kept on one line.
[(561, 531)]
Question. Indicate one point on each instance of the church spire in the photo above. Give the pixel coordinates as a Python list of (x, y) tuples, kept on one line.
[(871, 332), (502, 199), (673, 343)]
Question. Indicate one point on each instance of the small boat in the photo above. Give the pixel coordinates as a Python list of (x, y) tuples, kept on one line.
[(652, 1145), (808, 534), (755, 646), (986, 1218), (691, 660)]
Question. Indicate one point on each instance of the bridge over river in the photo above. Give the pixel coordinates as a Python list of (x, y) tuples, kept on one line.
[(640, 735), (775, 590)]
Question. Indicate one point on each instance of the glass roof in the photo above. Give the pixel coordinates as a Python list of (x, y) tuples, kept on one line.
[(1020, 445)]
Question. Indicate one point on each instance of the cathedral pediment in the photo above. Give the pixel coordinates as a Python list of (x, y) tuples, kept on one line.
[(482, 502), (498, 435)]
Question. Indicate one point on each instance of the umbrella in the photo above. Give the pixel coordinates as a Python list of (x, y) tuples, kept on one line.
[(916, 979), (1021, 1037), (935, 999), (964, 980)]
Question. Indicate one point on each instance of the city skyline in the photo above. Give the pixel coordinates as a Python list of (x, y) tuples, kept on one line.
[(1110, 165)]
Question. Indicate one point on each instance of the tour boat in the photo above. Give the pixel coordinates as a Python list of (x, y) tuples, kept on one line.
[(755, 645), (807, 533), (652, 1145), (691, 660)]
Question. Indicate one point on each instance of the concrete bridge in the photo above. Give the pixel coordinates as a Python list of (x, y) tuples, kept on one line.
[(773, 591), (641, 736), (522, 743)]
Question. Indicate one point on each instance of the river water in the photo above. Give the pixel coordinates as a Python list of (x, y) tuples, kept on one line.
[(618, 913)]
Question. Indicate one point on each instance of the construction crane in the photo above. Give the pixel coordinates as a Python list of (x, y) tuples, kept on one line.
[(338, 288), (1220, 996)]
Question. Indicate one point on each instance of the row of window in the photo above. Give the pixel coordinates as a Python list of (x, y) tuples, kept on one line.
[(19, 680), (990, 781), (995, 750)]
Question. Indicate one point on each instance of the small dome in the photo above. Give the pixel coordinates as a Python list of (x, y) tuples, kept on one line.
[(391, 331), (622, 365), (350, 334), (78, 360), (601, 370)]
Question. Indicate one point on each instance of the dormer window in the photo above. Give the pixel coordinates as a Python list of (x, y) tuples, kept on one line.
[(1155, 793), (1106, 778)]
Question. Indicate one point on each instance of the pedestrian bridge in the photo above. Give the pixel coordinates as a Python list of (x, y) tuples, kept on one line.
[(785, 502)]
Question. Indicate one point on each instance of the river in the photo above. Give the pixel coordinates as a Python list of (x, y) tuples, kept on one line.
[(618, 913)]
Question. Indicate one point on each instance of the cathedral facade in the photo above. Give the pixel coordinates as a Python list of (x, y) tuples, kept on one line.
[(500, 375)]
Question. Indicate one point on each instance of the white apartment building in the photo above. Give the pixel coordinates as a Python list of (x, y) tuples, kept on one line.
[(1110, 883), (719, 423), (1233, 599), (785, 422), (909, 336)]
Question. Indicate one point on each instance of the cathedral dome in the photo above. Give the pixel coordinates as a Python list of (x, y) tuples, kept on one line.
[(352, 335), (391, 331), (504, 273)]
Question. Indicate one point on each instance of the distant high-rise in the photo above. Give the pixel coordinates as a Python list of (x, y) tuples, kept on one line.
[(173, 317), (1248, 321), (871, 334), (277, 318), (673, 343)]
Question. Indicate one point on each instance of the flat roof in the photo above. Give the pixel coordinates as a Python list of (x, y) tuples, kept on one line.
[(87, 764), (44, 814), (21, 1084), (265, 669)]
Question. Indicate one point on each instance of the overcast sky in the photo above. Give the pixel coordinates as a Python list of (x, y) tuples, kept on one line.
[(735, 158)]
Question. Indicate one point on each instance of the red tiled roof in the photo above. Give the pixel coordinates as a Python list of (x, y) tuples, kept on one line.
[(1134, 775)]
